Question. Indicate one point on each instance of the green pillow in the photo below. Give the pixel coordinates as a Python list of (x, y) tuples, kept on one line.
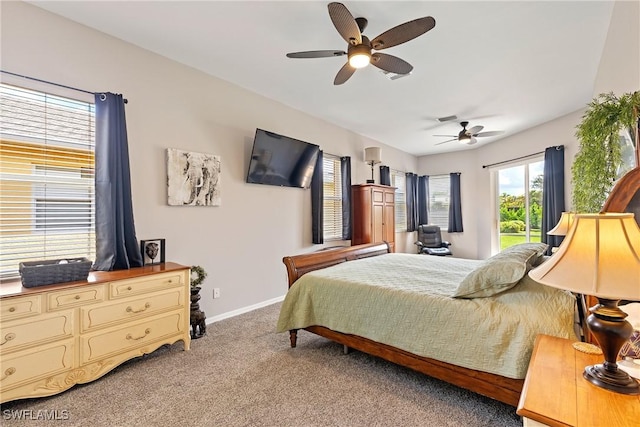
[(500, 272)]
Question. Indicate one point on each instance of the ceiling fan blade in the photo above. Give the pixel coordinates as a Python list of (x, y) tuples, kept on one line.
[(449, 140), (345, 23), (316, 54), (490, 133), (474, 130), (344, 74), (472, 141), (391, 63), (448, 136), (403, 33)]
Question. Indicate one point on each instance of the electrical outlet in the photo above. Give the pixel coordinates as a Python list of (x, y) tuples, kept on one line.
[(216, 292)]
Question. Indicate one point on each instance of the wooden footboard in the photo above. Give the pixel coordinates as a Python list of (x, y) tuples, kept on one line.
[(497, 387)]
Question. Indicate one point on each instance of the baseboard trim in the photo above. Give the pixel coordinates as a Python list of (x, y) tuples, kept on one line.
[(243, 310)]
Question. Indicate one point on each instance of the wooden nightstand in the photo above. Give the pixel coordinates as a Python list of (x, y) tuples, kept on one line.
[(556, 394)]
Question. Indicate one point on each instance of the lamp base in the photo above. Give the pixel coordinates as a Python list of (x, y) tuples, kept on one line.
[(370, 181), (615, 380), (611, 330)]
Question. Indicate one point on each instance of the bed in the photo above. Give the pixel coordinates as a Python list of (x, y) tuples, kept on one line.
[(399, 307), (625, 197)]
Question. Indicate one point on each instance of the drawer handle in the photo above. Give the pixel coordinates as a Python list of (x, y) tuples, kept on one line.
[(128, 288), (146, 332), (8, 372), (131, 310), (12, 309), (77, 297), (8, 338)]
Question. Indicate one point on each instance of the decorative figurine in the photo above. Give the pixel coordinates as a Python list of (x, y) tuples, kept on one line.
[(197, 317)]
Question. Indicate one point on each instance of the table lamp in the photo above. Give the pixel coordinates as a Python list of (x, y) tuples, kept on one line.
[(600, 256), (563, 225), (372, 157)]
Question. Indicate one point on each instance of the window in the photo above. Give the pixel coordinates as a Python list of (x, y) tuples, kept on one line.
[(60, 205), (332, 186), (439, 196), (520, 203), (399, 180), (46, 178)]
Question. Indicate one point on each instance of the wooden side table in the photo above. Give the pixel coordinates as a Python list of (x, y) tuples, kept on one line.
[(556, 394)]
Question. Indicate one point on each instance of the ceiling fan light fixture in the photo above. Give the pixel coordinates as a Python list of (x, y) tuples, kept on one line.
[(464, 138), (359, 56), (359, 60)]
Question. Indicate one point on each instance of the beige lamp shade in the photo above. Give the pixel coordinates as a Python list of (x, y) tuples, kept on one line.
[(599, 256), (562, 227), (373, 155)]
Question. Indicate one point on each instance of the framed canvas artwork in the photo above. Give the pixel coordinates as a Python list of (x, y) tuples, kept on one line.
[(193, 179)]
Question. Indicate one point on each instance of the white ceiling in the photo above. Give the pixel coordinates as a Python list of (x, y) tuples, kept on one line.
[(504, 65)]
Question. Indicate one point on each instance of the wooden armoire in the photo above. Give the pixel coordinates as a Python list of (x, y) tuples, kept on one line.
[(373, 214)]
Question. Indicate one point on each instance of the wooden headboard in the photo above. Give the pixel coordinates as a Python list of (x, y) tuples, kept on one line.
[(625, 195)]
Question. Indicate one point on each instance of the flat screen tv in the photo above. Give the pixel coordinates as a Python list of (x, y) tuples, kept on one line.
[(280, 160)]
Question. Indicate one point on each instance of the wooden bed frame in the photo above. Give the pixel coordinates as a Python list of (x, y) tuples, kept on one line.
[(501, 388), (625, 197)]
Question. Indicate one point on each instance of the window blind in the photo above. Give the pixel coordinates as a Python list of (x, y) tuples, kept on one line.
[(399, 180), (47, 201), (439, 196), (332, 186)]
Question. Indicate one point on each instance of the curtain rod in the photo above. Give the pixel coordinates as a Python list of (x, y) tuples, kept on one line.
[(51, 83), (511, 160)]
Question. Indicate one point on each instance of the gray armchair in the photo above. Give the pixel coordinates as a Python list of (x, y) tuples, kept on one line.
[(430, 241)]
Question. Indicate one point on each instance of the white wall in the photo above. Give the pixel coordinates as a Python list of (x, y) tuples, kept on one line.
[(619, 71), (241, 243)]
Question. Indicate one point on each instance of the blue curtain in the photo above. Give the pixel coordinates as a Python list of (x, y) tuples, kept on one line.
[(317, 201), (423, 199), (345, 174), (385, 175), (455, 204), (412, 201), (117, 246), (552, 194)]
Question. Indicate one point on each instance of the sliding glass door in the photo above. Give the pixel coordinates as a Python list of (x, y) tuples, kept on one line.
[(519, 203)]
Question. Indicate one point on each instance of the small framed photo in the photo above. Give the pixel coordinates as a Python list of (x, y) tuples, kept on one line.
[(152, 251)]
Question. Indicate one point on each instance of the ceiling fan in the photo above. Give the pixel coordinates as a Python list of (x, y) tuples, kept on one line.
[(359, 51), (468, 136)]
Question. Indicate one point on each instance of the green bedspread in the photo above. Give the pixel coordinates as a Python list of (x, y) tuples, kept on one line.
[(403, 300)]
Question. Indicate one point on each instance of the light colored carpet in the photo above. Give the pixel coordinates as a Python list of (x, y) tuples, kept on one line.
[(244, 374)]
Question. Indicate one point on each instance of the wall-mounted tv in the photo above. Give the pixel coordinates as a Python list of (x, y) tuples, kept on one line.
[(280, 160)]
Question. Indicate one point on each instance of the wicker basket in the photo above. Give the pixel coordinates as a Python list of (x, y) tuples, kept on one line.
[(40, 273)]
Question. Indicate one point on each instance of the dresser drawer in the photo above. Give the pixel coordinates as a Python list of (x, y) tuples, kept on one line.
[(29, 365), (15, 308), (73, 297), (21, 333), (118, 340), (125, 288), (106, 314)]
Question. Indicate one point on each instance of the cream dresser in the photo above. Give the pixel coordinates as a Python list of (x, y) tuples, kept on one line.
[(53, 337)]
